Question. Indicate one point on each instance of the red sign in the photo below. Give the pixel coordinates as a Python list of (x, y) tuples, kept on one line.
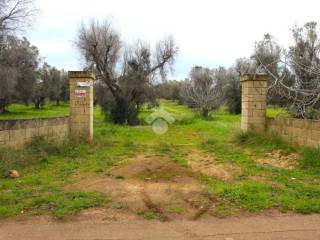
[(80, 93)]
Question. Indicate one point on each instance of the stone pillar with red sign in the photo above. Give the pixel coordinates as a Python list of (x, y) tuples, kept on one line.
[(81, 105)]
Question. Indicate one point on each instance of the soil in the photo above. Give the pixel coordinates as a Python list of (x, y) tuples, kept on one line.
[(154, 187), (150, 183), (279, 159), (206, 164), (99, 224)]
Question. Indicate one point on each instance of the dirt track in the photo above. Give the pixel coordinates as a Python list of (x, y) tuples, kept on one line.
[(269, 226)]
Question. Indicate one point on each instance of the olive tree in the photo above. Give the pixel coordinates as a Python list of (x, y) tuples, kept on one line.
[(15, 15), (7, 89), (19, 63), (125, 73), (203, 90), (297, 79), (231, 88)]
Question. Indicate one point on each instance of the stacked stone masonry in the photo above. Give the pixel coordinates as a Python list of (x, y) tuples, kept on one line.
[(15, 133), (254, 94), (302, 132), (81, 105)]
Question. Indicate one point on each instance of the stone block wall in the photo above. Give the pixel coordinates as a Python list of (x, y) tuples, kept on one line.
[(303, 132), (79, 126), (15, 133)]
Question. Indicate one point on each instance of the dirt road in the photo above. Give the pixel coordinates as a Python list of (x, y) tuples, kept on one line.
[(262, 227)]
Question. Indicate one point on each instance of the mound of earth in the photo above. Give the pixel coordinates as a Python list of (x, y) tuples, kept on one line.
[(151, 186), (205, 163)]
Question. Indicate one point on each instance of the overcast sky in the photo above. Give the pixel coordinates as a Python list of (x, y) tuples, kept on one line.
[(208, 32)]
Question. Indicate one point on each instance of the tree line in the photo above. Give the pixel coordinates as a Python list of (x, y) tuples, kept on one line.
[(24, 77), (128, 76), (294, 77)]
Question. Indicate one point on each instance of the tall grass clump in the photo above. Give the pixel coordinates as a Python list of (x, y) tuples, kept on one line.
[(310, 158), (35, 152), (266, 141)]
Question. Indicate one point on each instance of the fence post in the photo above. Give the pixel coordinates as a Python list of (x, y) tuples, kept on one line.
[(254, 102), (81, 105)]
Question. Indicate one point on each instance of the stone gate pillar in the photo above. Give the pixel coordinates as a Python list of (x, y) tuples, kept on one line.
[(254, 102), (81, 105)]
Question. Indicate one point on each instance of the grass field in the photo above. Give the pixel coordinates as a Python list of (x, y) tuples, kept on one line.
[(232, 172), (19, 111), (273, 112)]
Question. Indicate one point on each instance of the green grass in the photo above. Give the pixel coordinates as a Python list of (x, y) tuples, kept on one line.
[(19, 111), (274, 111), (267, 142), (311, 158), (47, 167)]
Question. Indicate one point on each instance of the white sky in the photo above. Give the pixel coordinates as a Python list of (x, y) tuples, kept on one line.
[(209, 33)]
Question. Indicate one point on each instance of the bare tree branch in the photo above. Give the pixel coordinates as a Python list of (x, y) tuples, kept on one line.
[(16, 15)]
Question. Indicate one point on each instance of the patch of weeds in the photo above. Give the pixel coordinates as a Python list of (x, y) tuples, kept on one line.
[(242, 137), (10, 159), (36, 153), (10, 211), (310, 158), (300, 199), (180, 161), (159, 174), (176, 209), (225, 209), (249, 195), (227, 152), (99, 170), (208, 142), (186, 121), (44, 145), (262, 142), (64, 204), (120, 177), (60, 204), (252, 196), (153, 209), (163, 148), (120, 205), (209, 118), (275, 111), (130, 145), (148, 214), (103, 132)]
